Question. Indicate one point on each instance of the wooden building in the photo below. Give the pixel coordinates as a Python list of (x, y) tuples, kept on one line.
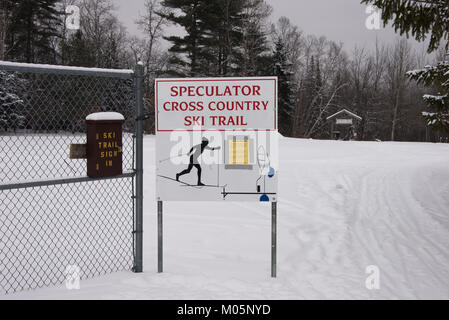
[(344, 125)]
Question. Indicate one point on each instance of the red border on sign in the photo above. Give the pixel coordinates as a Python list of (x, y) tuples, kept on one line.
[(216, 80)]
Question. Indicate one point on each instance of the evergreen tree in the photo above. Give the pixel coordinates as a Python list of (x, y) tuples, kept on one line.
[(11, 104), (111, 53), (421, 18), (77, 51), (254, 50), (418, 18), (34, 24), (222, 27), (285, 94), (438, 78), (224, 37), (192, 45)]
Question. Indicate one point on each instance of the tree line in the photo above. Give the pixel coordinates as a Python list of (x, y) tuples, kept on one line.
[(219, 38)]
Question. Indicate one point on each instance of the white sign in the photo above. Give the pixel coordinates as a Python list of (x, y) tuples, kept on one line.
[(344, 121), (217, 139)]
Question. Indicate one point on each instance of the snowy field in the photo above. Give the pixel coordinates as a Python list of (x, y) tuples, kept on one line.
[(343, 206)]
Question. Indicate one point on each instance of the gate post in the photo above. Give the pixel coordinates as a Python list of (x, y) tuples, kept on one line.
[(138, 263)]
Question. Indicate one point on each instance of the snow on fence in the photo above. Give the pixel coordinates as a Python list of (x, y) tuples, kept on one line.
[(52, 217)]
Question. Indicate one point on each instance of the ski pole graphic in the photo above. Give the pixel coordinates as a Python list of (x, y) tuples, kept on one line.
[(178, 156)]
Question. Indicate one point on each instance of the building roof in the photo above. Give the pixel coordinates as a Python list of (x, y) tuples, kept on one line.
[(351, 114)]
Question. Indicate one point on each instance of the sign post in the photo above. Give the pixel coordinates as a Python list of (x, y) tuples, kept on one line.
[(273, 238), (217, 140), (160, 265)]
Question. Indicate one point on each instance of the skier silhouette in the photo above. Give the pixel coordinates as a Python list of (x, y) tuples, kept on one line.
[(194, 154)]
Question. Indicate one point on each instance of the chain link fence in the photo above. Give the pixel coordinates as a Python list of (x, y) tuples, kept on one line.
[(51, 215)]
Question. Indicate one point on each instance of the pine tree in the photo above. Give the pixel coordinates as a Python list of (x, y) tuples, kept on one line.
[(34, 23), (418, 18), (111, 59), (285, 94), (190, 46), (421, 18), (11, 104), (438, 78), (223, 36), (255, 51), (77, 51)]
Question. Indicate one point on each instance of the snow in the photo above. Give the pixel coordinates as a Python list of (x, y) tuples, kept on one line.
[(416, 71), (413, 72), (434, 97), (343, 206), (344, 111), (65, 68), (105, 116)]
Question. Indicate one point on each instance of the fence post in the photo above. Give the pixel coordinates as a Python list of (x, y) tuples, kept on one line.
[(138, 263)]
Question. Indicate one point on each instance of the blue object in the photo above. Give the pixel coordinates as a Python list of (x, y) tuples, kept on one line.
[(271, 173), (264, 198)]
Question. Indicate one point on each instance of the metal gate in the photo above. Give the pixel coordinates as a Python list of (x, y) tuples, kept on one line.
[(54, 220)]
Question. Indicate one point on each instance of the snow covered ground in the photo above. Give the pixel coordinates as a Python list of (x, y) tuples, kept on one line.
[(343, 206)]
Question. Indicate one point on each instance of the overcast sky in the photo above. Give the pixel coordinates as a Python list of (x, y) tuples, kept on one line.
[(338, 20)]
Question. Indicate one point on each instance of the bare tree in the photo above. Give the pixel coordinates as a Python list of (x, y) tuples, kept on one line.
[(399, 62), (323, 105), (138, 48), (64, 32), (321, 84), (153, 25), (361, 70), (97, 22), (379, 63), (292, 38), (374, 111)]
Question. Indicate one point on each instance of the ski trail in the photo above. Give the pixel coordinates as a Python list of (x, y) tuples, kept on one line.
[(391, 230), (342, 207)]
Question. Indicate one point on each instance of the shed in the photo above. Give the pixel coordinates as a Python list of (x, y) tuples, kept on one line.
[(344, 125)]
